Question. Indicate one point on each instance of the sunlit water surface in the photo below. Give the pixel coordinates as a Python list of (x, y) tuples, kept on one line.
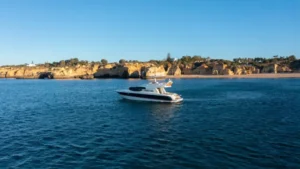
[(222, 123)]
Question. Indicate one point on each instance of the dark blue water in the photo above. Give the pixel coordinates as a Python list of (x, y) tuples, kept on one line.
[(233, 123)]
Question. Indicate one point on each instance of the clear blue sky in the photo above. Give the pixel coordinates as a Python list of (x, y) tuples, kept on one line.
[(52, 30)]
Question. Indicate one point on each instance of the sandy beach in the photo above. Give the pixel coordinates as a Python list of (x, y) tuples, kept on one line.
[(261, 76)]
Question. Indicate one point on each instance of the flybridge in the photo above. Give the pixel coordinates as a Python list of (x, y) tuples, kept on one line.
[(156, 84)]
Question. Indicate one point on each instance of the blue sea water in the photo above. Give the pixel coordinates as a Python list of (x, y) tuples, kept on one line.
[(222, 123)]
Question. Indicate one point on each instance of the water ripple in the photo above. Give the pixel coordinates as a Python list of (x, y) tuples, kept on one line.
[(238, 123)]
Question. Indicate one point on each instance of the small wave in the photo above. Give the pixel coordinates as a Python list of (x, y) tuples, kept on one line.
[(243, 95), (233, 125), (192, 100)]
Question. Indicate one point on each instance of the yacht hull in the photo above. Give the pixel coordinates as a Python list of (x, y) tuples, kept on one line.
[(149, 98)]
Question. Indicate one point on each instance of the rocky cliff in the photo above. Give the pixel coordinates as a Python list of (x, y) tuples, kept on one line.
[(221, 69), (22, 72), (127, 70), (83, 72), (245, 70), (154, 71), (270, 68), (135, 70), (45, 72), (202, 70), (174, 70), (283, 69)]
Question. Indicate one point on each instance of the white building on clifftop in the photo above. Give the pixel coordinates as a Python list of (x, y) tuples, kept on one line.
[(31, 64)]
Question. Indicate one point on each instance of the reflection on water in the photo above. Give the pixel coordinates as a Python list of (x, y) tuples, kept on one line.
[(243, 95), (164, 111), (159, 111)]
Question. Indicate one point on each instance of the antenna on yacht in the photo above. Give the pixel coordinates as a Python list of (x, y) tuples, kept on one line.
[(155, 75)]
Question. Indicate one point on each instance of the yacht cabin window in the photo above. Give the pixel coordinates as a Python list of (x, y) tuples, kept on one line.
[(147, 90)]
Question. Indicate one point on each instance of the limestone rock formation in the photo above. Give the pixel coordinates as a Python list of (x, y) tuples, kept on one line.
[(106, 71), (227, 71), (22, 72), (218, 68), (251, 70), (202, 70), (154, 71), (86, 77), (136, 70), (71, 72), (245, 70), (238, 70), (34, 73), (128, 70), (44, 72), (284, 69), (174, 70), (221, 69), (270, 68), (10, 72), (186, 71), (133, 70)]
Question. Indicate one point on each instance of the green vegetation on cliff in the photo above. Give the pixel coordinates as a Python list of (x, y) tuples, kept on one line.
[(193, 61)]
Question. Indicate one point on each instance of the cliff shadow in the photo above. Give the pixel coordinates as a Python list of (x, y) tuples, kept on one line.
[(46, 75), (135, 74), (125, 74)]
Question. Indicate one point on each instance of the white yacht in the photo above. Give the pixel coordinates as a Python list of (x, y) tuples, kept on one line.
[(153, 91)]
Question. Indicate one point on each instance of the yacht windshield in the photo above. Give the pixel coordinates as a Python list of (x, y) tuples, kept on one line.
[(161, 90), (136, 88)]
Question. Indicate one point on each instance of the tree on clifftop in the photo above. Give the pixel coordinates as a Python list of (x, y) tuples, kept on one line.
[(196, 58), (62, 63), (122, 61), (186, 60), (104, 61), (292, 58), (169, 58), (71, 62)]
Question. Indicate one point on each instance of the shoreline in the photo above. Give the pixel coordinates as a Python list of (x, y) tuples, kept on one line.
[(250, 76)]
